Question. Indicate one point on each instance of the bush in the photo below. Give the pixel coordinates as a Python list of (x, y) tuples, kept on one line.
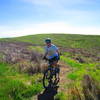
[(32, 67)]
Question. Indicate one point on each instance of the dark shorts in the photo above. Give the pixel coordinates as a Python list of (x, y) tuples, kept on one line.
[(56, 58)]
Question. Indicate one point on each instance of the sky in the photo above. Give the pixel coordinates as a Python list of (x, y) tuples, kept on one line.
[(26, 17)]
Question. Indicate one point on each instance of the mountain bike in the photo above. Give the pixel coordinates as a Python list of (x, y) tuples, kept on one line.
[(51, 76)]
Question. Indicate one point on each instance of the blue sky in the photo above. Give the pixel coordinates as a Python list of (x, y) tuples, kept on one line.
[(23, 17)]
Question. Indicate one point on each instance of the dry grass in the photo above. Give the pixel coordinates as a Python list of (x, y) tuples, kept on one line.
[(32, 67)]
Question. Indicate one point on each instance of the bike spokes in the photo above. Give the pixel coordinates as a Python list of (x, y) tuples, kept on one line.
[(51, 77)]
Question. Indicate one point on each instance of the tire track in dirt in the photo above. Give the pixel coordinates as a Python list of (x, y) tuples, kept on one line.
[(64, 71)]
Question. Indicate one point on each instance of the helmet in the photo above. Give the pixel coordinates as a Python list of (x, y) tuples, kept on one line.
[(48, 40)]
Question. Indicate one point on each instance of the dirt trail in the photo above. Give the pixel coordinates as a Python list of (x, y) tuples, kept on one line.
[(64, 70)]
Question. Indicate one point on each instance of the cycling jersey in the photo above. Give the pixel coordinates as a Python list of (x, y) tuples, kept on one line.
[(52, 51)]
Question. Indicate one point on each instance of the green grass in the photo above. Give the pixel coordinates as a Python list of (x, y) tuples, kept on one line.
[(79, 70), (76, 76), (71, 62), (20, 86), (61, 96), (64, 40), (16, 86)]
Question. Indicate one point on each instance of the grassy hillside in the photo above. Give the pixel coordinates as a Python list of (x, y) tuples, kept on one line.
[(64, 40), (21, 67)]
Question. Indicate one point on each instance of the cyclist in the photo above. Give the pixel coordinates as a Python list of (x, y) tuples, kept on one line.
[(51, 52), (51, 75)]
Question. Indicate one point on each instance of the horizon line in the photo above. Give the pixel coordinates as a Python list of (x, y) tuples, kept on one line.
[(49, 34)]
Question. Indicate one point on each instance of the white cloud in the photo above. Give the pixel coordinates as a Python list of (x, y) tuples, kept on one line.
[(58, 9), (52, 27)]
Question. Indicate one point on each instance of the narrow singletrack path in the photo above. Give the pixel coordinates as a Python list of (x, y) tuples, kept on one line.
[(64, 71)]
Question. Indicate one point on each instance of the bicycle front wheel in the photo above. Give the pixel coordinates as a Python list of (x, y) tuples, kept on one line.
[(46, 78)]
